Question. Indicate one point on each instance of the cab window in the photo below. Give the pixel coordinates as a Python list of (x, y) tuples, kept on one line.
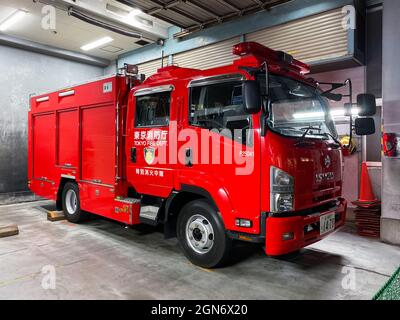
[(220, 106), (153, 110)]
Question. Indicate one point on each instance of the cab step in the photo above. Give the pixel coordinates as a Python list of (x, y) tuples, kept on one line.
[(128, 200), (150, 208), (149, 214)]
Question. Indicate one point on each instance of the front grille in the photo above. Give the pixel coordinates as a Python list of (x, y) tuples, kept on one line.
[(325, 186), (325, 207), (332, 190), (323, 197)]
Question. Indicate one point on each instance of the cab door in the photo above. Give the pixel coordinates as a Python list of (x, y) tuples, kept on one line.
[(226, 161), (148, 142)]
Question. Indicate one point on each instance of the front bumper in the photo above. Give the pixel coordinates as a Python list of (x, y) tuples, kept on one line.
[(305, 230)]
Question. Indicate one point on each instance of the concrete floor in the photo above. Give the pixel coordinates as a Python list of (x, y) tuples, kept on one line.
[(102, 260)]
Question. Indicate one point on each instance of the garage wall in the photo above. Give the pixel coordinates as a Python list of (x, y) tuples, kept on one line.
[(390, 227), (22, 73), (111, 69)]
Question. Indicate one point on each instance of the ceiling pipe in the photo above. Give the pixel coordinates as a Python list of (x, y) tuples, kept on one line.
[(52, 51), (91, 20), (154, 12), (98, 20)]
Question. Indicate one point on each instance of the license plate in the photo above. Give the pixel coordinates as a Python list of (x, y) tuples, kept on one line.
[(327, 223)]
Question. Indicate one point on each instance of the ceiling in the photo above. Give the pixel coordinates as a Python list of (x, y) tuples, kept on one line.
[(70, 33), (194, 15), (151, 22)]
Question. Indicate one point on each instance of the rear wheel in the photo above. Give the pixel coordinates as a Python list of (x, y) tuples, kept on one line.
[(71, 203), (202, 235)]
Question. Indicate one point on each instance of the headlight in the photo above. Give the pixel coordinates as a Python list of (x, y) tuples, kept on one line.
[(282, 203), (282, 188)]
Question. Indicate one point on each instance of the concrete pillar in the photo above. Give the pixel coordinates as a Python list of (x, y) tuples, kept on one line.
[(390, 224)]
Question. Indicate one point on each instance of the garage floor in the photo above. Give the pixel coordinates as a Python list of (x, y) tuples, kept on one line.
[(102, 260)]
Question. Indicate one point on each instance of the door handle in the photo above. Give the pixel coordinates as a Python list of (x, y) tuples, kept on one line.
[(133, 155), (189, 157)]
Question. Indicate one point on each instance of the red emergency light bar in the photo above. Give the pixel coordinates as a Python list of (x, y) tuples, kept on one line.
[(262, 52)]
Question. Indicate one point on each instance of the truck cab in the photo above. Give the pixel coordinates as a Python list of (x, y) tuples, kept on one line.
[(272, 176)]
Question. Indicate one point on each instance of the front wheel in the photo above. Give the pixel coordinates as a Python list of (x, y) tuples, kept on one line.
[(71, 203), (202, 235)]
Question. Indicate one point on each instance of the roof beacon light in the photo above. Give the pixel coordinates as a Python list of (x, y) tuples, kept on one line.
[(262, 52)]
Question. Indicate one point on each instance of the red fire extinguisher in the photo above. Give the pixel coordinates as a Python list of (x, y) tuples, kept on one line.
[(390, 144)]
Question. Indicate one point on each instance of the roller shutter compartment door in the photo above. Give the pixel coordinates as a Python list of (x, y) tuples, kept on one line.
[(151, 67), (207, 57), (313, 39)]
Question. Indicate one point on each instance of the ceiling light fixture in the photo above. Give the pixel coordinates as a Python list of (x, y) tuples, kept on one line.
[(122, 12), (116, 10), (97, 43), (12, 19), (135, 12)]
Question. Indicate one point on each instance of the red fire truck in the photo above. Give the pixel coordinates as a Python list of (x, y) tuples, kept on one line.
[(150, 152)]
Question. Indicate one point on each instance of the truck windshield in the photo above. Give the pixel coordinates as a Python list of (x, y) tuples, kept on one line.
[(298, 110)]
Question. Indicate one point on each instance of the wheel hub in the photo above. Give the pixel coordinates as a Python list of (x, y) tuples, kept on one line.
[(199, 234), (71, 201)]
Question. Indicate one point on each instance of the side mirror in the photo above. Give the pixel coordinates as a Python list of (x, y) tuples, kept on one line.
[(367, 105), (252, 96), (364, 126)]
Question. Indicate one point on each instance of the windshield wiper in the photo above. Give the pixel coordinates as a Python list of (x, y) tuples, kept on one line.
[(307, 130), (326, 134)]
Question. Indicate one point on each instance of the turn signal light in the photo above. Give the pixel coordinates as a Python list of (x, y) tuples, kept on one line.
[(243, 223), (287, 236)]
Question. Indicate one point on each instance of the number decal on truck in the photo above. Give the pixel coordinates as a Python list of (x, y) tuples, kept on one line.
[(107, 87)]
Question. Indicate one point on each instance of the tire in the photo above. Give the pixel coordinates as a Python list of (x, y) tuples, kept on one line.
[(71, 203), (202, 236)]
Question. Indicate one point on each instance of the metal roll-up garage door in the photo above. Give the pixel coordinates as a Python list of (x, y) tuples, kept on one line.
[(312, 39), (151, 67), (211, 56)]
